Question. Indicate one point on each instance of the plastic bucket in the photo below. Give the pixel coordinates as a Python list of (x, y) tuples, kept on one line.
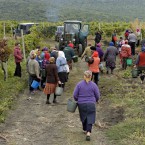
[(75, 59), (35, 84), (129, 61), (71, 105), (134, 73), (58, 91)]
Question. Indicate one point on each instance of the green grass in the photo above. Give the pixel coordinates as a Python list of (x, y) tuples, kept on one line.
[(127, 93), (10, 89)]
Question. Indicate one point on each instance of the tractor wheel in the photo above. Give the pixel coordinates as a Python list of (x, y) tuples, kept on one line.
[(80, 50)]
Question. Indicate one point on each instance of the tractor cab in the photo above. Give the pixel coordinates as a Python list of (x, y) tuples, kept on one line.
[(77, 33)]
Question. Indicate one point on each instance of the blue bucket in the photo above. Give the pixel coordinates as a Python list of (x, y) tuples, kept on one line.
[(35, 84)]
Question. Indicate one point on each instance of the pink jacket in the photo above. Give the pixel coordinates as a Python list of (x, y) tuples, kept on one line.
[(18, 54)]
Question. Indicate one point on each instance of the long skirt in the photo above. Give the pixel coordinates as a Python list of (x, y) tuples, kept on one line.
[(49, 88), (87, 112)]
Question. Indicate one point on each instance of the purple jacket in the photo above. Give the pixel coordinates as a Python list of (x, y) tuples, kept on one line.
[(100, 52), (86, 92), (18, 54)]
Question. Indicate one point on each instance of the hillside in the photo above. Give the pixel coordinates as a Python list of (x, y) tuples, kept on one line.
[(58, 10)]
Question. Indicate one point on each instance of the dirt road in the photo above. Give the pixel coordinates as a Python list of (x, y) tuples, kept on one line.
[(32, 122)]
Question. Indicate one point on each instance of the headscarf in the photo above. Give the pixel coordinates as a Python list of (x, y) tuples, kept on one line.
[(111, 44), (98, 44), (95, 54), (61, 54), (32, 54), (47, 56), (45, 49), (88, 74), (143, 49)]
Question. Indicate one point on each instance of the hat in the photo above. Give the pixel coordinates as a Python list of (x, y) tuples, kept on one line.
[(45, 49), (32, 54), (111, 44), (93, 48)]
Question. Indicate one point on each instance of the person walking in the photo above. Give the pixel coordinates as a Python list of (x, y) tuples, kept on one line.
[(18, 59), (87, 93), (87, 52), (69, 54), (61, 67), (33, 70), (52, 80), (94, 67), (98, 37), (125, 54), (101, 54), (138, 34), (140, 63), (114, 37), (132, 41), (110, 57)]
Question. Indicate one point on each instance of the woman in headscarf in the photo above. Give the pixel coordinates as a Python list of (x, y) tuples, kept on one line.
[(140, 63), (94, 67), (87, 93), (110, 57), (52, 80), (33, 70), (61, 68), (125, 54), (101, 54)]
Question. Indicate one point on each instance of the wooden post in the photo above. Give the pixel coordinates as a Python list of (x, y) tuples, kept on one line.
[(23, 45)]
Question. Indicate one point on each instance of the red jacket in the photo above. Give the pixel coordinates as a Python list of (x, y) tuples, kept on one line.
[(18, 54), (141, 59), (94, 67), (125, 51)]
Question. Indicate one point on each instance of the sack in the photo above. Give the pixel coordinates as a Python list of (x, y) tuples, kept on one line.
[(101, 67), (89, 60), (58, 91), (71, 105)]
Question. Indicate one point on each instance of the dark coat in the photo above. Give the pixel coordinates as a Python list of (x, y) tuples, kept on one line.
[(110, 56), (51, 74)]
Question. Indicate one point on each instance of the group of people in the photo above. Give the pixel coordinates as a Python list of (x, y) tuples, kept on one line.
[(51, 68)]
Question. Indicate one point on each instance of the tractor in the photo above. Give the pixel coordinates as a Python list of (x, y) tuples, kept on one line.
[(75, 32)]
